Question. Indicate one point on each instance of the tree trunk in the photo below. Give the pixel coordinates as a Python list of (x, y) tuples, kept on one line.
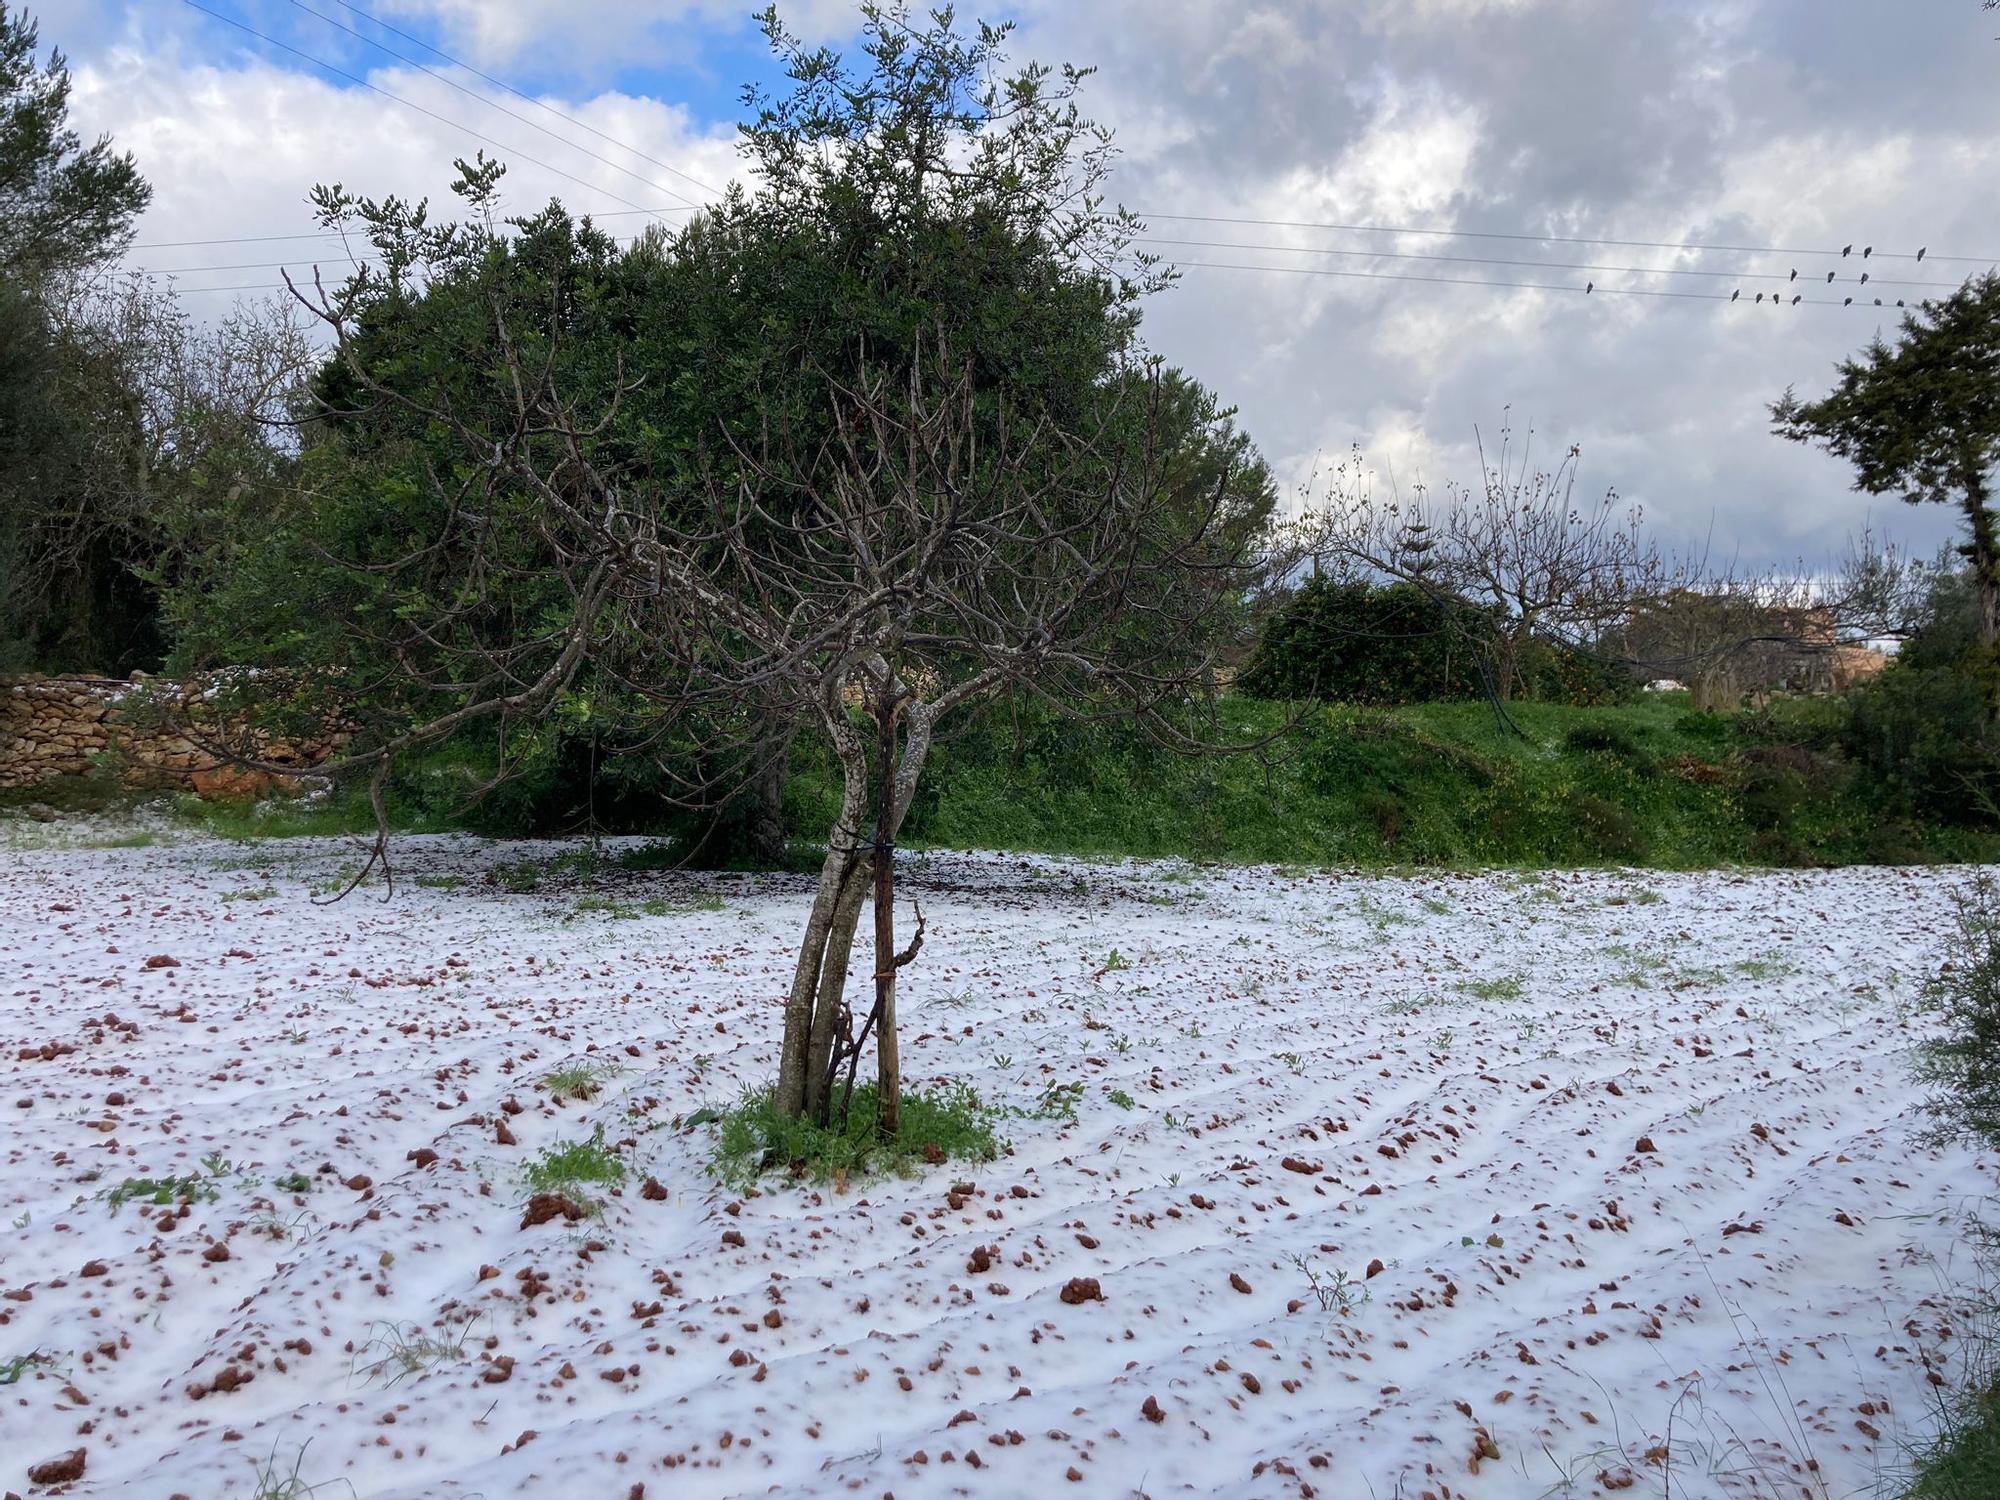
[(1984, 552), (813, 1007), (802, 1003), (888, 1073), (767, 798), (832, 989)]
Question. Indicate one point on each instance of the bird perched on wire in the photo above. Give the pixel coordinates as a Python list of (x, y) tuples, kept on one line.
[(1864, 278), (1829, 278), (1735, 294), (1920, 254), (1867, 252), (1845, 251), (1795, 273), (1589, 287), (1848, 303)]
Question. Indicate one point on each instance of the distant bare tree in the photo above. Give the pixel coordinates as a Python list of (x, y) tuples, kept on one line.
[(1725, 633), (1584, 575), (1520, 543)]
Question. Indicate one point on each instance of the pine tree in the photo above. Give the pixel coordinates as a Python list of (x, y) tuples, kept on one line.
[(64, 206)]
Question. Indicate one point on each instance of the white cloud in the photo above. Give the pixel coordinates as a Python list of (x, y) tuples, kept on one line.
[(234, 152), (1779, 122)]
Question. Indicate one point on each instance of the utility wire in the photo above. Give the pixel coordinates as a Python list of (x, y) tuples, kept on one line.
[(1868, 252), (271, 239), (262, 239), (1587, 289), (482, 99), (501, 83), (433, 114), (1779, 276), (1546, 265)]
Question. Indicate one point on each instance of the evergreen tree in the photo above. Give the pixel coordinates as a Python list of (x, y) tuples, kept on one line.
[(64, 206), (1922, 417)]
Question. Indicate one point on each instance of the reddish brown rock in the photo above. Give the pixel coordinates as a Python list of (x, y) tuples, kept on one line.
[(544, 1207), (64, 1470)]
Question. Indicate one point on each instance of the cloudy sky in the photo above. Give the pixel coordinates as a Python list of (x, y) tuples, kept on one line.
[(1537, 131)]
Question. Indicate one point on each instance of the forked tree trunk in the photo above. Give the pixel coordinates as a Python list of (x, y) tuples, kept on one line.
[(808, 991), (813, 1007), (832, 986)]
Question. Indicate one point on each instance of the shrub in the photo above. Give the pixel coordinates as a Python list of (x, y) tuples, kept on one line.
[(1611, 831), (1921, 734), (1961, 1062), (1358, 643)]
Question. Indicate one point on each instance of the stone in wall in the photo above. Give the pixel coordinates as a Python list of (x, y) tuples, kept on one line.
[(56, 727)]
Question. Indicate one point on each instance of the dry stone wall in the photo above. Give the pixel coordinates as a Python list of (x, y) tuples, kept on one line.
[(53, 727)]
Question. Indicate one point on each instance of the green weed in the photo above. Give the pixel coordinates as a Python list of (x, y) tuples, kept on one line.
[(161, 1191), (947, 1123), (573, 1168), (581, 1080)]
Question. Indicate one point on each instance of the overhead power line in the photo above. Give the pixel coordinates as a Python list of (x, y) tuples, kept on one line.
[(473, 94), (1546, 265), (1865, 252), (329, 234), (1589, 288), (501, 83), (399, 99), (263, 239)]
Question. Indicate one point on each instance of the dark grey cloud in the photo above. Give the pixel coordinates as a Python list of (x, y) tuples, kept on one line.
[(1802, 123)]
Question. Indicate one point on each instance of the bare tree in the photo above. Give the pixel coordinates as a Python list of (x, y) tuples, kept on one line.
[(1731, 631), (1543, 564), (1584, 575), (917, 555)]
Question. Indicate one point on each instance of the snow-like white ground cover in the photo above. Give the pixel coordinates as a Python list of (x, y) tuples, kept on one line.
[(1467, 1186)]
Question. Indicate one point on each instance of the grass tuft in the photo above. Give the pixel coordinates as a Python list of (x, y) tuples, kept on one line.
[(579, 1080), (400, 1350), (1963, 1461), (572, 1167), (161, 1190), (948, 1123)]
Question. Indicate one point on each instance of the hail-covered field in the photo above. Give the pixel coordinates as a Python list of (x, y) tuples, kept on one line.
[(1316, 1183)]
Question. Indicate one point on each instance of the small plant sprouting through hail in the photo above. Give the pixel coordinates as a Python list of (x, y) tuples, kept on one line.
[(277, 1483), (12, 1369), (1334, 1290), (401, 1350), (581, 1080)]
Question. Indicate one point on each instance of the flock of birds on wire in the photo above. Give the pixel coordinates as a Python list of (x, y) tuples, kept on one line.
[(1777, 299)]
